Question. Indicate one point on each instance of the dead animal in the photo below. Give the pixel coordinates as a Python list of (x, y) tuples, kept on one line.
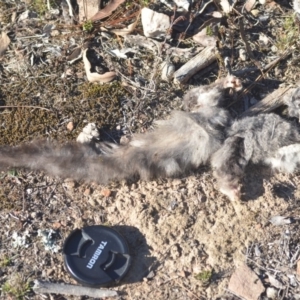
[(177, 145)]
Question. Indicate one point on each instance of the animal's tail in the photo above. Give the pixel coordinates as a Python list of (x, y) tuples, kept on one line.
[(74, 160)]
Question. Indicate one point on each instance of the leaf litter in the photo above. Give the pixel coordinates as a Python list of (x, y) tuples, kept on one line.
[(186, 239)]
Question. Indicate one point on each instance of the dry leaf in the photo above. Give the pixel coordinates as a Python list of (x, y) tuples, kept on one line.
[(217, 14), (249, 5), (203, 39), (4, 43), (125, 31), (185, 4), (107, 10), (122, 53), (155, 24), (95, 77), (280, 220)]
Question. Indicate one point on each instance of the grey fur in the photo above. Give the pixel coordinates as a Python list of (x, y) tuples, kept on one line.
[(264, 139), (184, 142), (294, 105)]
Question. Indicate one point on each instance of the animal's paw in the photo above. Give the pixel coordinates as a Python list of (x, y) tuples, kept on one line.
[(232, 82)]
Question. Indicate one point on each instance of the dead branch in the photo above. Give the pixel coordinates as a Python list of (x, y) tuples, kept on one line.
[(271, 102), (198, 62), (44, 287)]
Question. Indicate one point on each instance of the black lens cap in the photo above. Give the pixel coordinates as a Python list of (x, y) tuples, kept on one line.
[(96, 255)]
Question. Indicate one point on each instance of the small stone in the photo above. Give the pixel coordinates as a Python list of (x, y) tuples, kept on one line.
[(271, 293), (245, 283), (255, 12), (56, 225), (70, 126), (150, 275), (111, 210), (167, 71), (87, 192), (243, 54), (69, 184), (92, 202), (106, 192), (274, 49), (55, 32)]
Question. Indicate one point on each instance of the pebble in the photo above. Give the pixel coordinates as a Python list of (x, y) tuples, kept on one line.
[(70, 126), (271, 293), (106, 192), (87, 192), (55, 32)]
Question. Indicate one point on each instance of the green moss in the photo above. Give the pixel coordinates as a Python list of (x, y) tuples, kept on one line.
[(288, 36), (16, 287), (209, 31), (88, 26), (5, 261), (204, 276), (39, 6)]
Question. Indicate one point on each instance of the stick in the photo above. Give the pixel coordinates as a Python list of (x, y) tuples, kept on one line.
[(271, 102), (44, 287), (25, 106), (198, 62)]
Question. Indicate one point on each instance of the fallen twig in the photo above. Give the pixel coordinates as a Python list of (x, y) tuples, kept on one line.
[(44, 287), (198, 62)]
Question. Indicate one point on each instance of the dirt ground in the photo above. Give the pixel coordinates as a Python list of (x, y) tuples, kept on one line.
[(186, 238)]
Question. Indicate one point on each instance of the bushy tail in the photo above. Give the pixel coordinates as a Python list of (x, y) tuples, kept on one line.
[(72, 160)]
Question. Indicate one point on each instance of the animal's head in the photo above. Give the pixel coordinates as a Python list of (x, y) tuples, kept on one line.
[(231, 189)]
